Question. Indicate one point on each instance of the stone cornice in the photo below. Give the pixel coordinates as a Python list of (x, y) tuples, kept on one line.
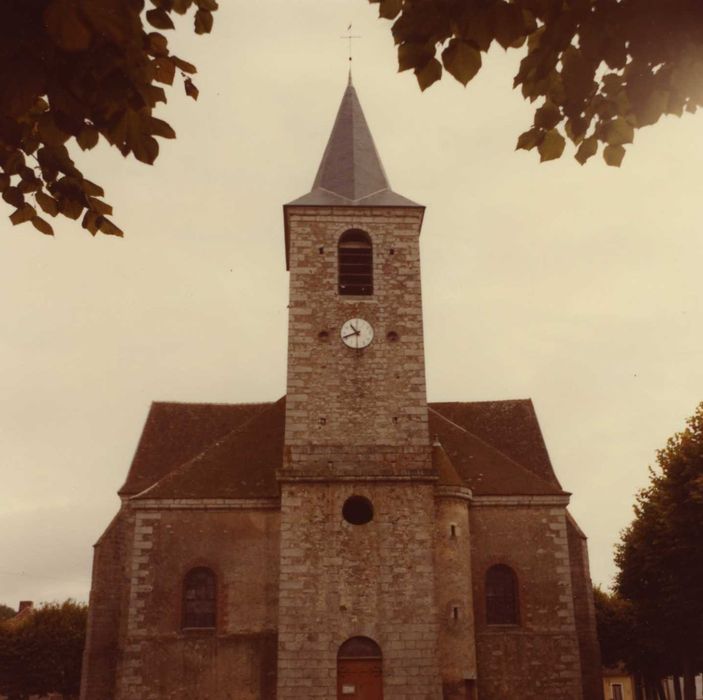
[(206, 504), (530, 501)]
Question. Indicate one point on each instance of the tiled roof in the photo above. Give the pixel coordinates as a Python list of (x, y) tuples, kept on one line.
[(175, 433), (233, 451), (510, 426), (486, 470), (241, 464), (351, 172)]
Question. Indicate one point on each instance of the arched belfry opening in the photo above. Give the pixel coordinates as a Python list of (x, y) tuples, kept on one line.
[(355, 256), (359, 670)]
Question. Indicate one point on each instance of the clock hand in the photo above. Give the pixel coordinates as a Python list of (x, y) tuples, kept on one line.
[(349, 335), (354, 329)]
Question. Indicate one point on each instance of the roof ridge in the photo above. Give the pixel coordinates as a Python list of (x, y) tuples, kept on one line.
[(495, 449), (182, 468), (212, 403), (486, 401)]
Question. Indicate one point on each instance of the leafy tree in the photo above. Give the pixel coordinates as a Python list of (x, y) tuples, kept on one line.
[(599, 69), (43, 654), (660, 558), (6, 612), (614, 622), (72, 71)]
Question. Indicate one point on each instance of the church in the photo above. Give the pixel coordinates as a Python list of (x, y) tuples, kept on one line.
[(350, 540)]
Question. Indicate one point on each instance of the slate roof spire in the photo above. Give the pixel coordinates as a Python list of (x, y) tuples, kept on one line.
[(351, 172)]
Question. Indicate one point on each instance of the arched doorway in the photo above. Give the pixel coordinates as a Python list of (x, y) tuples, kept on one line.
[(359, 670)]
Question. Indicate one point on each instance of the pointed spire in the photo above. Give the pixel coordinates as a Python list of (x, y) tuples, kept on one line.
[(351, 171), (350, 165)]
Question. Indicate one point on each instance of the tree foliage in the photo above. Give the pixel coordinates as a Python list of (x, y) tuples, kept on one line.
[(43, 653), (660, 559), (597, 69), (6, 612), (615, 625), (73, 71)]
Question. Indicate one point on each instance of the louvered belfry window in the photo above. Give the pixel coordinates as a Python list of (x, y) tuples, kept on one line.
[(501, 596), (355, 254), (199, 599)]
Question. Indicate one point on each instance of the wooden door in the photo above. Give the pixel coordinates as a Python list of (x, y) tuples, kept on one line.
[(359, 679)]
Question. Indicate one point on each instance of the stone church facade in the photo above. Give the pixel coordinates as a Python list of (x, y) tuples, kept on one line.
[(349, 540)]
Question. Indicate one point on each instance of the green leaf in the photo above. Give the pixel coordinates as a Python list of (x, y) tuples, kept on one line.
[(159, 18), (70, 207), (429, 73), (157, 44), (413, 55), (389, 9), (47, 203), (145, 148), (654, 105), (90, 188), (462, 60), (158, 127), (164, 70), (42, 226), (24, 213), (87, 138), (587, 149), (613, 155), (91, 221), (547, 116), (184, 65), (13, 163), (552, 146), (203, 22), (99, 206), (190, 88), (110, 229), (529, 139), (14, 196), (509, 25), (619, 132), (575, 128)]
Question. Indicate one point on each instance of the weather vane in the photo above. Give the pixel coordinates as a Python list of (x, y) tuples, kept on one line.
[(350, 36)]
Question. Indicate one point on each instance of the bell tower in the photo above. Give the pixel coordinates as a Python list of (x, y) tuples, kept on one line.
[(357, 508), (356, 401)]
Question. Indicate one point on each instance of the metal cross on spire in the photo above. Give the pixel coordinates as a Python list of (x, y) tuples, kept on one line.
[(350, 37)]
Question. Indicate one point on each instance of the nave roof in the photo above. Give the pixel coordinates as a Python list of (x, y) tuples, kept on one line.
[(234, 450)]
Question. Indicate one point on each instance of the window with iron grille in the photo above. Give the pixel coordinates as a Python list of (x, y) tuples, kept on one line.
[(199, 599), (355, 255), (501, 596)]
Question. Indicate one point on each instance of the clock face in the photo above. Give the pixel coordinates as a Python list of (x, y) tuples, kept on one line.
[(356, 333)]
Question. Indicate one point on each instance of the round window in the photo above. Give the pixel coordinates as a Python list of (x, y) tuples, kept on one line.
[(357, 510)]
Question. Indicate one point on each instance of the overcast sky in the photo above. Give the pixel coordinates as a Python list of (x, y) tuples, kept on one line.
[(576, 286)]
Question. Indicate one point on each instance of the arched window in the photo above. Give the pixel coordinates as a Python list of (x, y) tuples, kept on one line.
[(501, 596), (199, 598), (355, 254)]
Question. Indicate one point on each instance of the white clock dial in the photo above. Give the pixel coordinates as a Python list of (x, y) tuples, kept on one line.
[(356, 333)]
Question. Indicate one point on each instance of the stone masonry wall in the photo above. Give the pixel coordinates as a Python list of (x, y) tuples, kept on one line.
[(105, 605), (585, 613), (457, 648), (538, 659), (340, 580), (237, 660), (340, 398)]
